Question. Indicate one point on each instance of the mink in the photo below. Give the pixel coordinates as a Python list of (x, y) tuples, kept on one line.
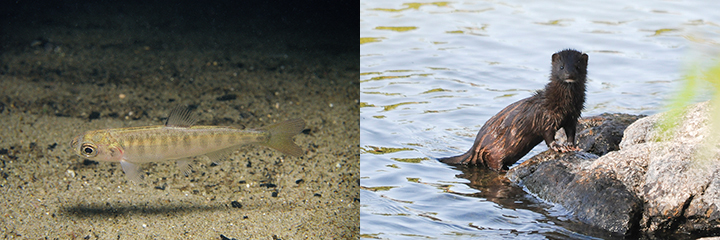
[(514, 131)]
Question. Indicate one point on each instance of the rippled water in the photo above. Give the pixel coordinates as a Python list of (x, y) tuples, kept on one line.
[(433, 73)]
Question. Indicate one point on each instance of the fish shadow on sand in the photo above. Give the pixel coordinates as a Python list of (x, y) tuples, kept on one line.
[(109, 210)]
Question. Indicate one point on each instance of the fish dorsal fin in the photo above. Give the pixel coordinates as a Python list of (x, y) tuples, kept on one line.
[(180, 117)]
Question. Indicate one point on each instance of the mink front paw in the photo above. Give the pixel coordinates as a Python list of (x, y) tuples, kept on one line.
[(563, 148)]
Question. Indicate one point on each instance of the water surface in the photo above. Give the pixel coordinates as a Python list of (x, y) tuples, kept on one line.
[(433, 73)]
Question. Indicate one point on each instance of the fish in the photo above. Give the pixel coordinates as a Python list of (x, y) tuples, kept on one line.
[(179, 139)]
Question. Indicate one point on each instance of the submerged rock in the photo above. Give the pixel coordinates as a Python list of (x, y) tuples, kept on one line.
[(656, 183)]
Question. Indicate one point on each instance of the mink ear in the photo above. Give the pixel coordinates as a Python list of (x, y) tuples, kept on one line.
[(555, 57), (584, 57)]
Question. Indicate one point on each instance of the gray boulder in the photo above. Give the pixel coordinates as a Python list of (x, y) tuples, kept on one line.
[(675, 174), (594, 197), (656, 183)]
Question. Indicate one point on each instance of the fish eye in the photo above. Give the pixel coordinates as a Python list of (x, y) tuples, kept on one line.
[(88, 150)]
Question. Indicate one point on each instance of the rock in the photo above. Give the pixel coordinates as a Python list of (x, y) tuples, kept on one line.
[(594, 197), (658, 183), (601, 134), (674, 173)]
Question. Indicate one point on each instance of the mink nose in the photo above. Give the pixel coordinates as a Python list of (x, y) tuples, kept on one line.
[(567, 75)]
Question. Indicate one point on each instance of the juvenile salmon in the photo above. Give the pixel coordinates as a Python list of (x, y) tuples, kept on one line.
[(179, 140)]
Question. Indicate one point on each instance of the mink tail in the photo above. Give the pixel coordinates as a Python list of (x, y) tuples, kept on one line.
[(459, 159)]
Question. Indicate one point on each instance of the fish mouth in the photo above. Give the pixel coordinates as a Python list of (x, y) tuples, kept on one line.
[(569, 80)]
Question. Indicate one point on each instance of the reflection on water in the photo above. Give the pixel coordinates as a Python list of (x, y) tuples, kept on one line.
[(433, 73), (494, 187)]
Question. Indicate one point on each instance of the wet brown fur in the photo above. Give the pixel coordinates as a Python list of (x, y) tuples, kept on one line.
[(515, 130)]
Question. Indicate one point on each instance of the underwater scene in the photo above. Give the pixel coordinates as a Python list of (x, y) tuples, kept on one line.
[(282, 77)]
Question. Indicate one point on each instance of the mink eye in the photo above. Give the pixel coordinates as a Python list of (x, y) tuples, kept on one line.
[(562, 67), (88, 150)]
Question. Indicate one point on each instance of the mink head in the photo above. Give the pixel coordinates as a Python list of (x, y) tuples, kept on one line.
[(569, 66)]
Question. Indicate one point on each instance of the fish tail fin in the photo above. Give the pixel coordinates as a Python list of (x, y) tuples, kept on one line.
[(280, 136)]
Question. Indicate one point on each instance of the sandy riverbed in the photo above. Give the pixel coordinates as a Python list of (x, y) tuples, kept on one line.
[(87, 66)]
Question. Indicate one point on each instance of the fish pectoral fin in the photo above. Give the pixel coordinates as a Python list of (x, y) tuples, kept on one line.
[(132, 171), (184, 166)]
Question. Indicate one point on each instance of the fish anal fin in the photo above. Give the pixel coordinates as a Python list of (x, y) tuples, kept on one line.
[(132, 171), (180, 117), (221, 154)]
